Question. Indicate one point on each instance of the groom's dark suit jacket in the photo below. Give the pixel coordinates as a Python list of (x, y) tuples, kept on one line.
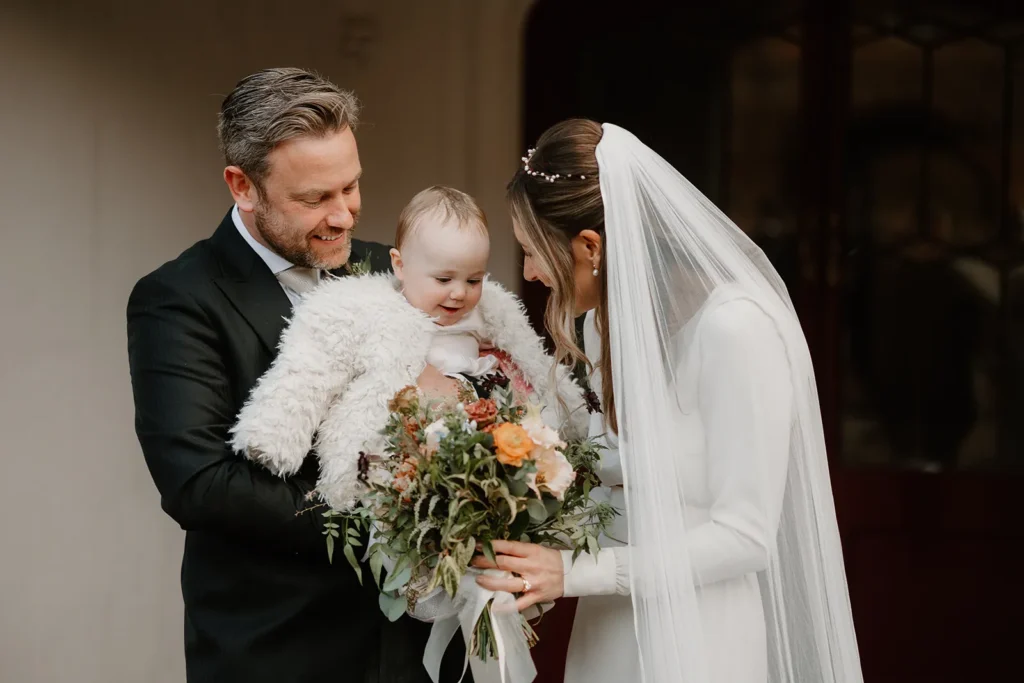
[(262, 603)]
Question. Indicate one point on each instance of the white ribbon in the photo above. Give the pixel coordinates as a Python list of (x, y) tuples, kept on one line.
[(515, 665)]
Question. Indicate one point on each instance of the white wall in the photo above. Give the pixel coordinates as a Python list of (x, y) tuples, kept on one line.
[(108, 167)]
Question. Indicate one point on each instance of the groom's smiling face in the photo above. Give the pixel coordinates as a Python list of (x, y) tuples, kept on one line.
[(310, 201)]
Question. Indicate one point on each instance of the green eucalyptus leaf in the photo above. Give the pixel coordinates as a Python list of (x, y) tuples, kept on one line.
[(518, 487), (538, 513), (552, 505), (393, 606), (401, 563), (398, 580)]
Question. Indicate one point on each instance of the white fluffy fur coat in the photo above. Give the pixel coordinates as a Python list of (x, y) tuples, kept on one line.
[(351, 344)]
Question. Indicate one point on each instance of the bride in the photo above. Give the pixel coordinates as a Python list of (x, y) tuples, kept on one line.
[(727, 565)]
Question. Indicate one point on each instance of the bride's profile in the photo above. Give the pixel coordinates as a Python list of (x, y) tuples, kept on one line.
[(727, 565)]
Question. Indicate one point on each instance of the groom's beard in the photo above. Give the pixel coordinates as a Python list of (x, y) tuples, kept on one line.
[(295, 244)]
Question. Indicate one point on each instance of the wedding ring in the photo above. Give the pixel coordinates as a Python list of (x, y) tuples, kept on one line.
[(526, 585)]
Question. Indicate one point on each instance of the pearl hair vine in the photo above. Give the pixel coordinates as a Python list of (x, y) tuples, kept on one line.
[(550, 177)]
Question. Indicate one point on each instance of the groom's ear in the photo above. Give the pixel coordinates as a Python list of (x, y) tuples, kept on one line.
[(242, 189), (396, 262)]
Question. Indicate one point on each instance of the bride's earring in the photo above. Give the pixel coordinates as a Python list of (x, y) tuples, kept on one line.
[(596, 273)]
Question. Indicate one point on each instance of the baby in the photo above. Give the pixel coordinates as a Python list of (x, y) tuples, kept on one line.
[(443, 234), (354, 342)]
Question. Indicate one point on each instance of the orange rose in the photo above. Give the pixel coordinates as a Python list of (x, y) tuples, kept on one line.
[(512, 443), (483, 412)]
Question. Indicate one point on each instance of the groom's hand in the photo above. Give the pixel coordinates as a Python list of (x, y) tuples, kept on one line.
[(541, 567)]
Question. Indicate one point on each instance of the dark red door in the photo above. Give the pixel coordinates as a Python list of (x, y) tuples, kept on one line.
[(875, 151)]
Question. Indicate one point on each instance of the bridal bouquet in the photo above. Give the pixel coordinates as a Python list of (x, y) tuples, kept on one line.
[(453, 479)]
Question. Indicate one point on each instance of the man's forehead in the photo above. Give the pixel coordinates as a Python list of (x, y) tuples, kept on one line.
[(308, 161)]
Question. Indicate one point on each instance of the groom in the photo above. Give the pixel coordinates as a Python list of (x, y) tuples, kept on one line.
[(262, 603)]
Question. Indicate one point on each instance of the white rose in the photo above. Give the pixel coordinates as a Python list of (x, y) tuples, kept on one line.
[(434, 433)]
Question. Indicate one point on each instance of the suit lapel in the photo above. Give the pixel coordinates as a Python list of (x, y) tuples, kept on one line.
[(253, 290), (250, 286)]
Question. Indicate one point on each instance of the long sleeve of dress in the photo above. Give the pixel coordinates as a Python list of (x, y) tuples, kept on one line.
[(745, 400)]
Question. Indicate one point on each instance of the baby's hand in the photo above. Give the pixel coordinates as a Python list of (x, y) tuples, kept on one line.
[(436, 385)]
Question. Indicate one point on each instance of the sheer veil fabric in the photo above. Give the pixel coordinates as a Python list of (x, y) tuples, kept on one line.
[(670, 254)]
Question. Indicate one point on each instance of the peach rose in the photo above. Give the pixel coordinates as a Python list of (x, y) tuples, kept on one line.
[(512, 444), (540, 433), (554, 473)]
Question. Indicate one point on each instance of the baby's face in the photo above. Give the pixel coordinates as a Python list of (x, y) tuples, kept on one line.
[(442, 267)]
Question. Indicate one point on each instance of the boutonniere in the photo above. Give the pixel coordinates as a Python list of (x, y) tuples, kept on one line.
[(359, 267)]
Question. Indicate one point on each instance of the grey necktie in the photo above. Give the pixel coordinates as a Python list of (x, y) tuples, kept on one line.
[(299, 279)]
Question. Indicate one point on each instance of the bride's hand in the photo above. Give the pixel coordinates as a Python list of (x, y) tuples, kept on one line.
[(539, 565)]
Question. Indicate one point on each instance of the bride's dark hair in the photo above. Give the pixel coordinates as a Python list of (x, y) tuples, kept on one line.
[(553, 197)]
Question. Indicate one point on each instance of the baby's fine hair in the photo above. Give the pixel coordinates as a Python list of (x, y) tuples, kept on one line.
[(441, 204)]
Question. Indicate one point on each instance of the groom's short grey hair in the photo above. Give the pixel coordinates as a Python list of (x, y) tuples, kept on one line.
[(275, 105)]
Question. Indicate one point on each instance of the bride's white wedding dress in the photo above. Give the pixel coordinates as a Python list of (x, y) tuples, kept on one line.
[(734, 397)]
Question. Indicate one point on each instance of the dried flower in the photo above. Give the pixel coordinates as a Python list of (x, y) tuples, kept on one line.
[(483, 412), (509, 369), (405, 401), (404, 475), (491, 381), (364, 466), (593, 402)]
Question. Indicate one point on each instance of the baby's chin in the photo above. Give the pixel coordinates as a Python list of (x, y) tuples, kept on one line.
[(446, 316)]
